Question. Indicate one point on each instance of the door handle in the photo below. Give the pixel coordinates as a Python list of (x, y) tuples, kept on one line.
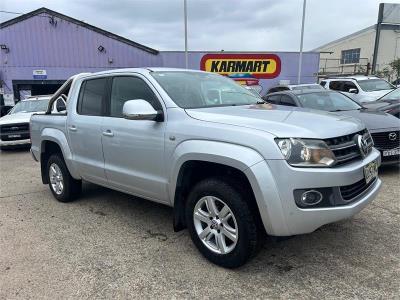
[(108, 132), (72, 128)]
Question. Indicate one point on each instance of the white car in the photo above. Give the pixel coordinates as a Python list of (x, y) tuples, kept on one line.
[(360, 88), (14, 127)]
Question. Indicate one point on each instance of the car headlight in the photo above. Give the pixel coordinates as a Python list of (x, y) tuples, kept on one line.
[(306, 152)]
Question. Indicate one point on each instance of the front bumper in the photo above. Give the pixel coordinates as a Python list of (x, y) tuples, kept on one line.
[(15, 143), (276, 181)]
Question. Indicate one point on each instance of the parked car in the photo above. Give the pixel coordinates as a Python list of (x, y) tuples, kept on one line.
[(384, 128), (359, 88), (390, 103), (14, 127), (231, 166), (292, 87)]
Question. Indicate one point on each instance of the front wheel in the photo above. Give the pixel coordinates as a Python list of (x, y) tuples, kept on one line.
[(221, 224)]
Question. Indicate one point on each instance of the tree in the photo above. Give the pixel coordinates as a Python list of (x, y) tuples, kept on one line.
[(395, 65)]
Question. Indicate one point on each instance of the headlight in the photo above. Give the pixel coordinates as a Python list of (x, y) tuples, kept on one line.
[(306, 153)]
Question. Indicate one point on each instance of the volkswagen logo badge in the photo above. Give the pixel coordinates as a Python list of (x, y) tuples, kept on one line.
[(392, 136), (363, 145)]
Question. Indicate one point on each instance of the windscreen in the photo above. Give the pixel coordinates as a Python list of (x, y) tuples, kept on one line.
[(328, 101), (30, 106), (371, 85), (392, 95), (198, 90)]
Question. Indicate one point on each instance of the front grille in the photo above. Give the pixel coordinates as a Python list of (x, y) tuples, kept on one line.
[(13, 132), (349, 192), (346, 148), (382, 140)]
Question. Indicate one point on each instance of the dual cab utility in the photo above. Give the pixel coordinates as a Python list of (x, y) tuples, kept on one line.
[(231, 166)]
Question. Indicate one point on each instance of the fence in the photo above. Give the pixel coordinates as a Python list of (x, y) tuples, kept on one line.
[(333, 66)]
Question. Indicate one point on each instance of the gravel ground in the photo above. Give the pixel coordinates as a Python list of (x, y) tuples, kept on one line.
[(111, 245)]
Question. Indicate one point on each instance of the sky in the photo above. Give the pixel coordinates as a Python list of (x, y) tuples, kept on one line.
[(231, 25)]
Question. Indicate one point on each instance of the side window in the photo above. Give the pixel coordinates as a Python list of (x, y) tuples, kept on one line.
[(273, 90), (274, 99), (130, 88), (335, 85), (90, 100), (287, 100), (323, 83), (347, 85)]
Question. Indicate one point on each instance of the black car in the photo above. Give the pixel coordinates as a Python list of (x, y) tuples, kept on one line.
[(390, 103), (384, 128)]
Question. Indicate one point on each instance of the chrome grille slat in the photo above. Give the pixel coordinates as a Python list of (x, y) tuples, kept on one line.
[(343, 146)]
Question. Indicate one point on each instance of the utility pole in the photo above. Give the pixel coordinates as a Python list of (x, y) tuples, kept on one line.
[(301, 42), (186, 39)]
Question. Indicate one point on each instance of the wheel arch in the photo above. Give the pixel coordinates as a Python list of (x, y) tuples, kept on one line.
[(55, 141), (196, 160)]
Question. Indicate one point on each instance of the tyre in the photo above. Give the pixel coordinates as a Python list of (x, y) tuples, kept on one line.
[(221, 223), (63, 186)]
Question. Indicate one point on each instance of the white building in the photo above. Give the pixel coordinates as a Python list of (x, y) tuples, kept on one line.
[(354, 53)]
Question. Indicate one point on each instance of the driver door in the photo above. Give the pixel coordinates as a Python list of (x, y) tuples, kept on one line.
[(134, 149)]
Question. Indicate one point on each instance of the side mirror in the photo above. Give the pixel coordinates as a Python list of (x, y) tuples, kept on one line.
[(353, 91), (60, 105), (140, 109)]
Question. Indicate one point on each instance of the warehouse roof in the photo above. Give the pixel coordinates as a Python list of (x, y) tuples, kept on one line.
[(81, 23)]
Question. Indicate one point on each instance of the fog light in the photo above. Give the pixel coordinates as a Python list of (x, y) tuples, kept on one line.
[(311, 197)]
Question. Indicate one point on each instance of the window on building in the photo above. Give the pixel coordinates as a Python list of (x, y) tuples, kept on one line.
[(91, 97), (130, 88), (351, 56)]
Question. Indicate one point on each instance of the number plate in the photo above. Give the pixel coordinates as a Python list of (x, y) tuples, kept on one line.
[(391, 152), (14, 136), (370, 171)]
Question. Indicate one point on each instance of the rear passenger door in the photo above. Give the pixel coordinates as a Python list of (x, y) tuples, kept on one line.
[(134, 149), (84, 130)]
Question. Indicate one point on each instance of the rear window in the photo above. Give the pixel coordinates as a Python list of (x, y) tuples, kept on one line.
[(91, 97)]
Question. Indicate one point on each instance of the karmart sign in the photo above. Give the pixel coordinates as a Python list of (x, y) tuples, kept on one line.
[(261, 66)]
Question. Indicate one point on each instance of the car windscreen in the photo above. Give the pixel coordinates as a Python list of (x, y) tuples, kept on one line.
[(30, 106), (392, 95), (328, 101), (371, 85), (199, 90)]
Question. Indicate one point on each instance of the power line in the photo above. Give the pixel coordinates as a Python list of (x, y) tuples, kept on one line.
[(11, 12)]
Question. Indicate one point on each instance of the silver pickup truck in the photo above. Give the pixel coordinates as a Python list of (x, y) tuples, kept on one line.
[(232, 167)]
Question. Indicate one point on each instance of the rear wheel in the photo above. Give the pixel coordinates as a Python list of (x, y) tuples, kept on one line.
[(221, 224), (63, 186)]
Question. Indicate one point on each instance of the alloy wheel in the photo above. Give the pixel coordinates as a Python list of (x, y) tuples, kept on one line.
[(215, 225), (56, 179)]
